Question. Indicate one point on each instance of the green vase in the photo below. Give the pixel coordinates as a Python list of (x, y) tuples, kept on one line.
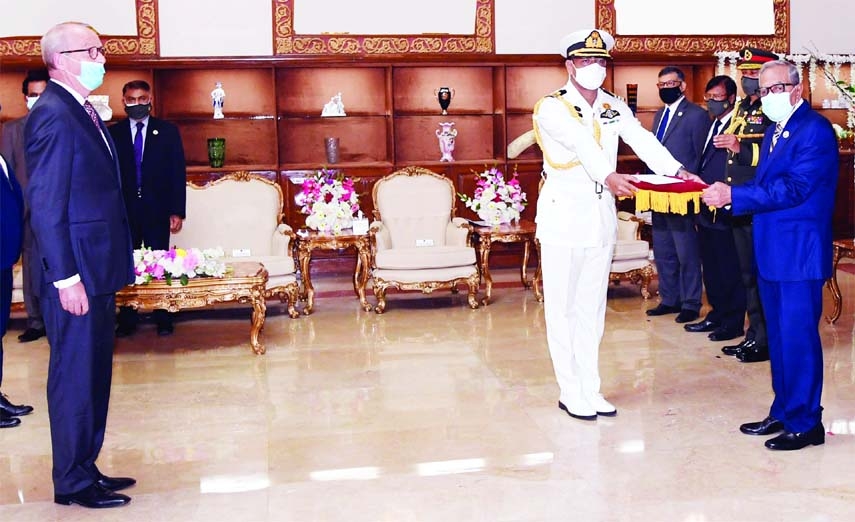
[(216, 152)]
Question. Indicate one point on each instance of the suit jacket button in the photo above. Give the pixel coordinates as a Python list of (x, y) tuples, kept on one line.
[(730, 162), (729, 179)]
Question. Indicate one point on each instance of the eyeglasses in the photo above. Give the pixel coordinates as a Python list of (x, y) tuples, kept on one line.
[(93, 52), (584, 62), (708, 97), (775, 89), (669, 83)]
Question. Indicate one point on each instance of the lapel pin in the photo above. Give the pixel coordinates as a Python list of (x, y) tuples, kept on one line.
[(154, 132), (786, 134), (680, 113)]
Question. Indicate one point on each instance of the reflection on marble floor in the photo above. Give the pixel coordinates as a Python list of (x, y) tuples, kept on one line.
[(435, 412)]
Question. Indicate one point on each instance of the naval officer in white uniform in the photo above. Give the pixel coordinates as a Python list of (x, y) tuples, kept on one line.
[(577, 129)]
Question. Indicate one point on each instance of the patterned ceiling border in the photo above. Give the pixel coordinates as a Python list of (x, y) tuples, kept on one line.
[(697, 44), (285, 42), (144, 44)]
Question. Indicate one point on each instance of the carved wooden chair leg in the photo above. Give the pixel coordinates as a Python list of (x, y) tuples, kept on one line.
[(380, 295)]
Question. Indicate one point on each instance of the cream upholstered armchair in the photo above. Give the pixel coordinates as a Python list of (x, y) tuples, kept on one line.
[(242, 213), (631, 259), (416, 241)]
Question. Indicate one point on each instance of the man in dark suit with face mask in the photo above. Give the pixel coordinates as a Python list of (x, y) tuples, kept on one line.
[(151, 157), (743, 150)]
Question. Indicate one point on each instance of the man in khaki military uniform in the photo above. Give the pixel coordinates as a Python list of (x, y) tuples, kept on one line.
[(745, 134), (578, 128)]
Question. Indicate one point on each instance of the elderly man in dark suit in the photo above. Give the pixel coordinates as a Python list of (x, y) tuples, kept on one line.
[(84, 245), (154, 177), (12, 147), (12, 209), (791, 199), (682, 127)]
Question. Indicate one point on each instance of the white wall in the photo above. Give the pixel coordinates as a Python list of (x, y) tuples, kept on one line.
[(243, 28)]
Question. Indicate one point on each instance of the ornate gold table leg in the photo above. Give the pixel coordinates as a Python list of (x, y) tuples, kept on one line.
[(835, 288), (305, 259), (259, 312), (485, 269), (524, 267), (537, 282), (360, 275)]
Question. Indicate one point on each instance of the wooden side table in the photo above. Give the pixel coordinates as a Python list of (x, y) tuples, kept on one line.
[(842, 248), (523, 231), (310, 240), (244, 282)]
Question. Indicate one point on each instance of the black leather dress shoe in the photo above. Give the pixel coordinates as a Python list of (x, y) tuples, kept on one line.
[(124, 330), (663, 309), (94, 497), (165, 329), (755, 354), (736, 349), (703, 326), (31, 334), (789, 441), (13, 410), (115, 483), (561, 406), (767, 426), (686, 315), (7, 421), (724, 334)]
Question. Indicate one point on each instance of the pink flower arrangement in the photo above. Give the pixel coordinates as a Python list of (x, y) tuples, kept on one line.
[(330, 201), (177, 263), (495, 200)]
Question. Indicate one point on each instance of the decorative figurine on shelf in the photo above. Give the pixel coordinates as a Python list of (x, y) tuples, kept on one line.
[(334, 107), (218, 96), (444, 96), (446, 137)]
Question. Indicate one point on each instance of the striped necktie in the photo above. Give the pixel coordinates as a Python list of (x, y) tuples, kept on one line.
[(663, 124), (778, 131)]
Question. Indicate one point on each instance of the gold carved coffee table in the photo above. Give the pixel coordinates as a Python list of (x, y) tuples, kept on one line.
[(310, 240), (842, 248), (244, 283), (523, 231)]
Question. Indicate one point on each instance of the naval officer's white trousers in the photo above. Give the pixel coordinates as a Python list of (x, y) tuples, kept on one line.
[(575, 282)]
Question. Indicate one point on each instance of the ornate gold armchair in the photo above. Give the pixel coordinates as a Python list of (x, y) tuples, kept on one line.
[(631, 259), (416, 241), (242, 213)]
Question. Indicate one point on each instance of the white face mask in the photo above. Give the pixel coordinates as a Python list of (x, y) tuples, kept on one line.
[(591, 77), (777, 106), (31, 100)]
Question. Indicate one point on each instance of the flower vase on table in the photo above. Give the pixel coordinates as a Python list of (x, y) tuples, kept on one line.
[(329, 201), (496, 201)]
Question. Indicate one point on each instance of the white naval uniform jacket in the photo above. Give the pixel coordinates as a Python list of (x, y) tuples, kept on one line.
[(575, 208)]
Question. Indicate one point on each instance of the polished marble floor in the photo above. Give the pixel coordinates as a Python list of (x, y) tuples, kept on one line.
[(434, 412)]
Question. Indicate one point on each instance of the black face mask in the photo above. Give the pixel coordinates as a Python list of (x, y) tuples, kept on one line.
[(139, 111), (670, 94), (750, 85), (717, 108)]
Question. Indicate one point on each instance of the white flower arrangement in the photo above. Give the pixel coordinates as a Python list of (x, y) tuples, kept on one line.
[(177, 263), (495, 200), (329, 200)]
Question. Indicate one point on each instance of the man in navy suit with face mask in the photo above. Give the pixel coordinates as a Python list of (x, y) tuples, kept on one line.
[(791, 199), (84, 248)]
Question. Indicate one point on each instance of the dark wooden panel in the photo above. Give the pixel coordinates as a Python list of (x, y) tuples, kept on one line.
[(362, 139), (248, 142), (416, 138), (186, 92), (414, 89), (843, 221), (305, 90)]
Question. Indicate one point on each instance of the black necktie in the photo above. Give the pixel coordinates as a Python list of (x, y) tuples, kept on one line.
[(715, 129)]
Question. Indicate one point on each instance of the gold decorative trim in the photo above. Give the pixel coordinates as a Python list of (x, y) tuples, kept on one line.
[(639, 276), (285, 42), (694, 44), (427, 287), (144, 44)]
